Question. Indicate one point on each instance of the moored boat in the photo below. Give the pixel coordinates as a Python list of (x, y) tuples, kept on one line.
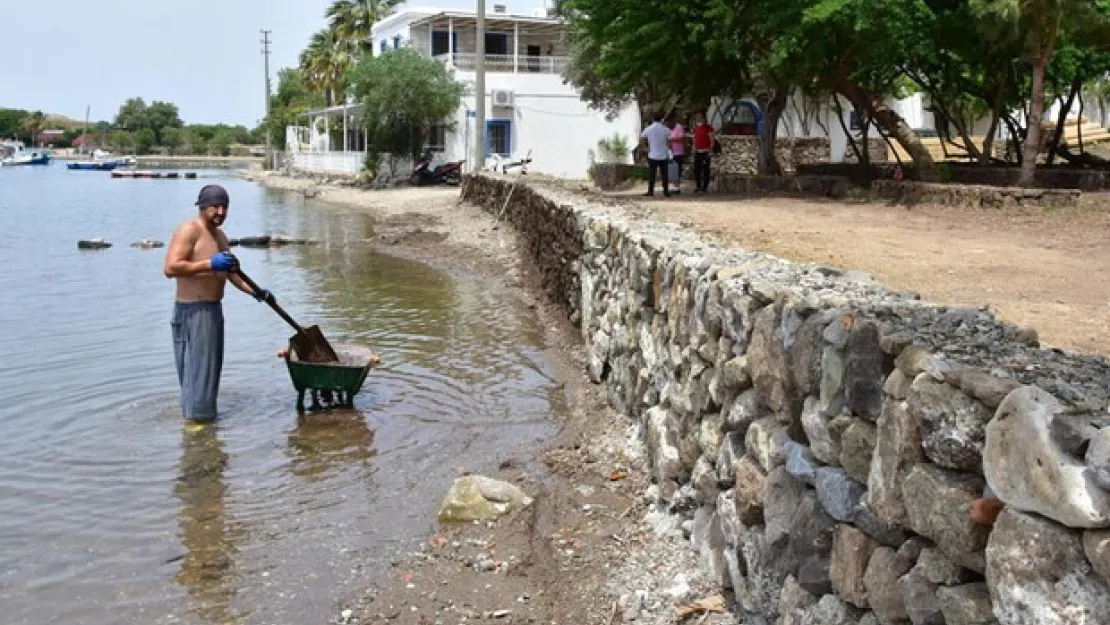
[(103, 161), (15, 153), (94, 165)]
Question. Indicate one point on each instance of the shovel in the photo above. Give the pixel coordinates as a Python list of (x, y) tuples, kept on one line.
[(309, 343)]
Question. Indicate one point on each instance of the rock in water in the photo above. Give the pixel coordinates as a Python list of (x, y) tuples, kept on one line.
[(93, 244), (1028, 471), (147, 244), (476, 498)]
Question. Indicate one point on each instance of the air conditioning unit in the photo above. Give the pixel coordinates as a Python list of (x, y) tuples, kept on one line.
[(501, 97)]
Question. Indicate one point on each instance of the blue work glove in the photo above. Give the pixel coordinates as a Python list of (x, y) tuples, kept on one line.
[(264, 295), (224, 261)]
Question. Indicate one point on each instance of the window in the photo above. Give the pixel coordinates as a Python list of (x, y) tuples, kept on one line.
[(384, 45), (439, 43), (497, 43), (499, 137), (437, 138), (396, 41)]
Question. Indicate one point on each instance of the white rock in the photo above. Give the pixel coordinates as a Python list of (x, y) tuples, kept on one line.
[(1028, 471)]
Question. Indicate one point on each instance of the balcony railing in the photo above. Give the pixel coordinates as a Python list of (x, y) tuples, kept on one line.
[(506, 63)]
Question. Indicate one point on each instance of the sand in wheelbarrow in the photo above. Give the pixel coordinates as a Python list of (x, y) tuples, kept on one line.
[(350, 355)]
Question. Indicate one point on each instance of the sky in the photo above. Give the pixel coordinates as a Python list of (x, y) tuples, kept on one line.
[(205, 56)]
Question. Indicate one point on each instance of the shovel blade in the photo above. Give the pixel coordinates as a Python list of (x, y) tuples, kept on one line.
[(311, 346)]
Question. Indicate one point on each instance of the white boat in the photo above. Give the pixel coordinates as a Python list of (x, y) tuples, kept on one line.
[(15, 153), (104, 161)]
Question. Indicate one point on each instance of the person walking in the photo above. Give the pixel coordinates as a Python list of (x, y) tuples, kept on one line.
[(703, 153), (198, 259), (657, 136)]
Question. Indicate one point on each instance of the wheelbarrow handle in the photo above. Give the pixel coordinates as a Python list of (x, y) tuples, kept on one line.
[(278, 309)]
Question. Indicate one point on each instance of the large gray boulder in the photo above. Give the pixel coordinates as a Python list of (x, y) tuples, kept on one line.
[(952, 424), (1027, 469)]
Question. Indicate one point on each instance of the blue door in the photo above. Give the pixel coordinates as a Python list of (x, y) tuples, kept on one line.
[(499, 137)]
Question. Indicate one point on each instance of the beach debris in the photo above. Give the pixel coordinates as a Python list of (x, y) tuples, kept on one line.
[(147, 244), (716, 603), (269, 240), (477, 498), (93, 244)]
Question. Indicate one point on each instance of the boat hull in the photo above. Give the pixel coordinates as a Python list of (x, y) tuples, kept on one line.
[(88, 166), (43, 159)]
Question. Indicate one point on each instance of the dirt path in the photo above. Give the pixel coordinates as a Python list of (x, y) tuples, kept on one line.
[(1042, 269)]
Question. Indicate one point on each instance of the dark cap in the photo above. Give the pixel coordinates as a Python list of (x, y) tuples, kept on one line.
[(211, 195)]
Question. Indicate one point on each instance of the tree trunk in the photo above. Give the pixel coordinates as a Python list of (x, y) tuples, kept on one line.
[(768, 160), (865, 140), (986, 156), (1015, 136), (847, 131), (1033, 125), (889, 145), (1062, 118), (895, 126), (1079, 127), (1042, 54), (973, 152)]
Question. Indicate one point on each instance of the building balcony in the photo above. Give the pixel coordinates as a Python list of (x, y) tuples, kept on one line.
[(506, 63)]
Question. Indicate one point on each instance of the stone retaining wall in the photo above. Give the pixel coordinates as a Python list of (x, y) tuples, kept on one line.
[(740, 153), (754, 186), (962, 173), (833, 444), (878, 151), (973, 196), (609, 176)]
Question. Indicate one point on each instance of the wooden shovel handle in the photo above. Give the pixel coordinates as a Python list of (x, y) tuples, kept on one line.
[(270, 301)]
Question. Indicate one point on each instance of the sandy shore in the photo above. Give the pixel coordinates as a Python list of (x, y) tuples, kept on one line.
[(587, 551)]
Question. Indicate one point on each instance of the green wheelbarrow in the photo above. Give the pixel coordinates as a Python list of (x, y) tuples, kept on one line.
[(330, 384)]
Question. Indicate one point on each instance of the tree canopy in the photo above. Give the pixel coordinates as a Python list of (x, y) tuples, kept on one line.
[(401, 95), (973, 59)]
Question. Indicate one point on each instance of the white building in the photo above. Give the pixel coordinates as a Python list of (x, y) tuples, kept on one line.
[(528, 108)]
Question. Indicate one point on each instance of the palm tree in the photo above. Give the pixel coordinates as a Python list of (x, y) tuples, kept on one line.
[(352, 20), (33, 124), (324, 62)]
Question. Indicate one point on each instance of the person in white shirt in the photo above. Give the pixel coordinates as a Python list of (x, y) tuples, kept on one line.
[(658, 136)]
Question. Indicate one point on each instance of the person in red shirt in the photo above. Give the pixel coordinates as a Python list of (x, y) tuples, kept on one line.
[(703, 150)]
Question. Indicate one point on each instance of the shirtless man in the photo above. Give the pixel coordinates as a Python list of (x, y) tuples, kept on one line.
[(198, 258)]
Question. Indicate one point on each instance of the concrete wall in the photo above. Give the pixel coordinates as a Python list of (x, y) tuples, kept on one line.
[(548, 118), (342, 163), (840, 451)]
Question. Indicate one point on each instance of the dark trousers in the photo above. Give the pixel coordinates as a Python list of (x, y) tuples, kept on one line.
[(701, 170), (661, 165)]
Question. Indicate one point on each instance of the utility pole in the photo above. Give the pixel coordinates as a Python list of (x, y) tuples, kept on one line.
[(266, 61), (480, 89)]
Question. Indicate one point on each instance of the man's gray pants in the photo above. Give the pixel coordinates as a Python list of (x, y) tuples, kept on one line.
[(198, 349)]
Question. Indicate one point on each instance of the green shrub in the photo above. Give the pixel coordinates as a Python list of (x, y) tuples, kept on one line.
[(638, 172)]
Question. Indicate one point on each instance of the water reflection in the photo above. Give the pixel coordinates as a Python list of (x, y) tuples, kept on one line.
[(330, 441), (209, 540)]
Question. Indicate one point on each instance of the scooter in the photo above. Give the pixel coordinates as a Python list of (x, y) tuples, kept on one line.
[(499, 163), (447, 173)]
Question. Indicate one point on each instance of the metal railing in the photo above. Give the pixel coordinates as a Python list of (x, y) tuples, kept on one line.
[(522, 64)]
